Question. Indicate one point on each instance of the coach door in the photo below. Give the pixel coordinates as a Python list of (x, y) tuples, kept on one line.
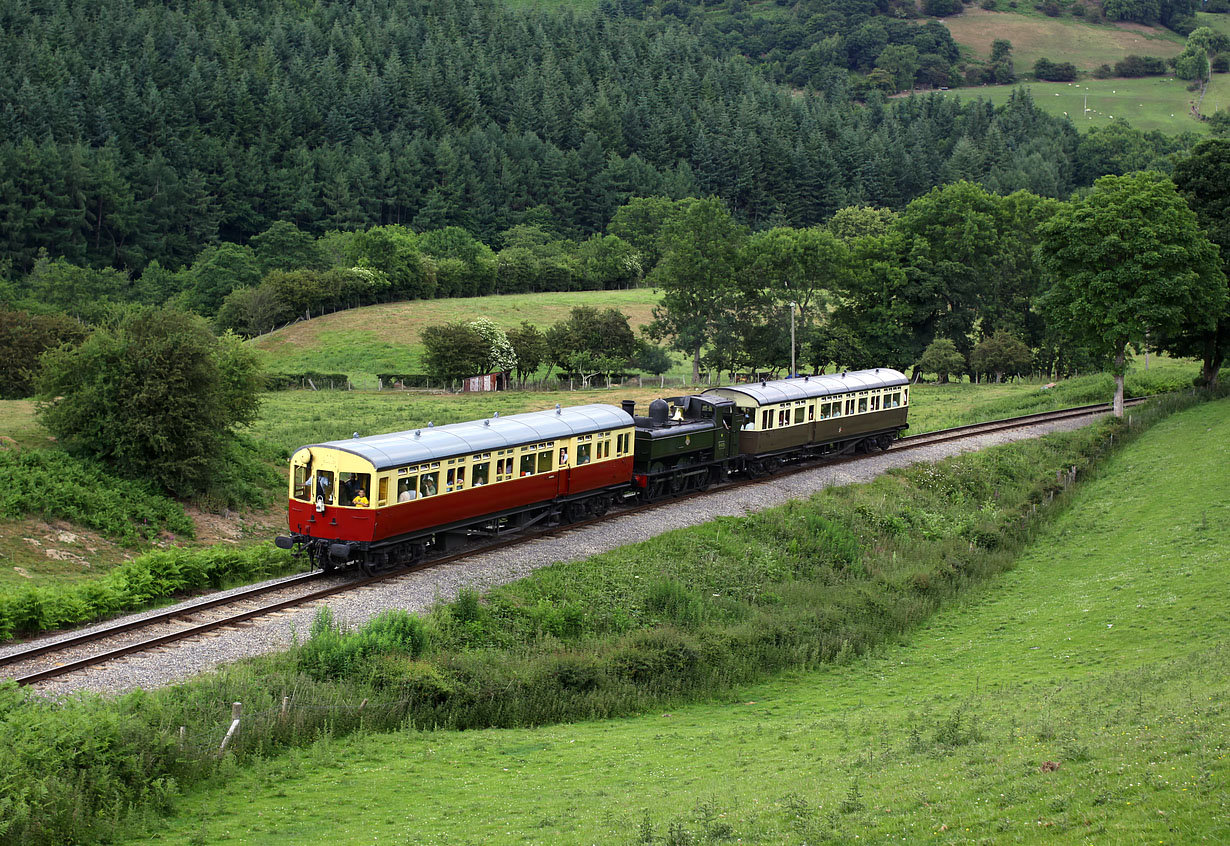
[(565, 458), (724, 424)]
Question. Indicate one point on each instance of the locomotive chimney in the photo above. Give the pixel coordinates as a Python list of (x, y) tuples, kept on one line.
[(629, 407)]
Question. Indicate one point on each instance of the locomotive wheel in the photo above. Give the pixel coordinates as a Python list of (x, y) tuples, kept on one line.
[(680, 482)]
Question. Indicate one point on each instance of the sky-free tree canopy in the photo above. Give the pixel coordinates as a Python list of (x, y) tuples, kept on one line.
[(153, 394), (1128, 259)]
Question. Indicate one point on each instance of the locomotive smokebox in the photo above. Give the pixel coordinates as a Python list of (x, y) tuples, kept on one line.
[(658, 410)]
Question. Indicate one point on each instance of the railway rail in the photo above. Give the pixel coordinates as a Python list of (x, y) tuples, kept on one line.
[(53, 657)]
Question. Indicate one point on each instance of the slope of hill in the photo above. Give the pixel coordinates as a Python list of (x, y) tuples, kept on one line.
[(1036, 37), (385, 338), (1150, 103)]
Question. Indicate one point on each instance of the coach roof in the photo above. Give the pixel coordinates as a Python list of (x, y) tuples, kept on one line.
[(807, 387), (431, 443)]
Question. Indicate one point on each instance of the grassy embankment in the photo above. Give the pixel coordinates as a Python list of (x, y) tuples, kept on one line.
[(1082, 699), (1161, 103)]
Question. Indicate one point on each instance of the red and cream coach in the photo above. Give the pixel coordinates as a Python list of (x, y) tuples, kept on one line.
[(382, 500)]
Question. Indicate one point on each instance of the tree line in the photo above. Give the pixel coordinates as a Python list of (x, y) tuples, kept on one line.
[(961, 279), (142, 133)]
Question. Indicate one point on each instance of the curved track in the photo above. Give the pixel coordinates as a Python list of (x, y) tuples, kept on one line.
[(52, 657)]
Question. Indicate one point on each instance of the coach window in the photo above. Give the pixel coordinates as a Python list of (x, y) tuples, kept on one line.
[(302, 483), (407, 488), (527, 464), (384, 491), (583, 451), (428, 484), (849, 406), (798, 414), (766, 420), (811, 412), (862, 404), (480, 473), (905, 396), (544, 460), (324, 486), (875, 402), (783, 416)]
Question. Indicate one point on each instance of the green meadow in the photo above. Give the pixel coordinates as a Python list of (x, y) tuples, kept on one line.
[(1160, 103), (362, 342), (1150, 103), (1080, 697)]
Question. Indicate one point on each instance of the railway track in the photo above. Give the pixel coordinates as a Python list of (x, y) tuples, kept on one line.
[(52, 657)]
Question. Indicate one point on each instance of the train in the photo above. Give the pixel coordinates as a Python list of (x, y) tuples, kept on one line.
[(387, 500)]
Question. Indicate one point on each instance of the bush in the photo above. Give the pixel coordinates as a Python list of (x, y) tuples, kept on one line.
[(52, 484), (154, 395), (310, 379), (1048, 71), (136, 584)]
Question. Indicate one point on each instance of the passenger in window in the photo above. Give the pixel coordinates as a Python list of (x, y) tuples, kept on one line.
[(563, 458), (360, 499), (428, 487), (406, 491)]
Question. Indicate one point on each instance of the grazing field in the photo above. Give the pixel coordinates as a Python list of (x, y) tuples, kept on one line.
[(385, 338), (1036, 37), (1080, 697), (1160, 103), (1149, 103)]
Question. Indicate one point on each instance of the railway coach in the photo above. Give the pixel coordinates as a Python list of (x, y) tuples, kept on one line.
[(810, 416), (382, 500)]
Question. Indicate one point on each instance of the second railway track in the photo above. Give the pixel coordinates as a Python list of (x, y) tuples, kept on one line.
[(52, 656)]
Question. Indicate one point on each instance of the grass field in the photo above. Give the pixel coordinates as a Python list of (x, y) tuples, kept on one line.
[(385, 338), (1151, 103), (1081, 698), (1035, 37)]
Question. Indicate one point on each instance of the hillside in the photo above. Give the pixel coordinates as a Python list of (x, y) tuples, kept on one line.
[(1149, 103), (385, 338), (1079, 699), (1062, 39)]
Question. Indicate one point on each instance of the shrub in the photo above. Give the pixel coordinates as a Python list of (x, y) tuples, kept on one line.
[(1046, 70), (136, 584), (51, 484)]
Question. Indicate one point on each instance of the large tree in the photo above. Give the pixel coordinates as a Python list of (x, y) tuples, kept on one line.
[(24, 337), (1203, 179), (154, 394), (700, 259), (1129, 258)]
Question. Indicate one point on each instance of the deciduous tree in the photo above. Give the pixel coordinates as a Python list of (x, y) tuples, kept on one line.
[(153, 394), (1129, 258), (1204, 179), (942, 358)]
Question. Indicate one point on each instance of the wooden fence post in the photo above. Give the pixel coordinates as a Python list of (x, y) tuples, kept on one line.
[(236, 710)]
